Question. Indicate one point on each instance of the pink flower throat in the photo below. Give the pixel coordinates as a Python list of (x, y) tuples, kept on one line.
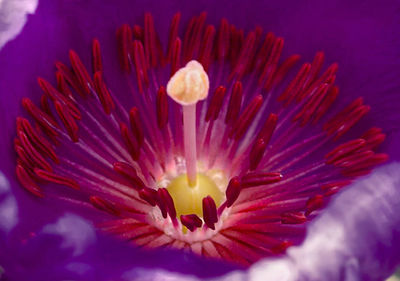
[(266, 141)]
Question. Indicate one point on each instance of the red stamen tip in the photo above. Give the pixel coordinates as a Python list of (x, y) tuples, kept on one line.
[(192, 222), (80, 72), (129, 173), (149, 195), (27, 182), (257, 153), (314, 203), (215, 104), (259, 178), (293, 218), (235, 103), (232, 191), (97, 63), (104, 205), (124, 37), (136, 125), (162, 108), (167, 203), (246, 118), (57, 179), (209, 212)]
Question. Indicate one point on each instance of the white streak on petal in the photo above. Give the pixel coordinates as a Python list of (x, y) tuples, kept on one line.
[(77, 233), (8, 206), (13, 15)]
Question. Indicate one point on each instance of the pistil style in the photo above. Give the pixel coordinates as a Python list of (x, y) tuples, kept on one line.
[(187, 86)]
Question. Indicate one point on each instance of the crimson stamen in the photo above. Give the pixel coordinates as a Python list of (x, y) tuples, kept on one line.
[(316, 66), (136, 125), (284, 68), (129, 172), (374, 137), (27, 182), (68, 121), (209, 212), (215, 104), (192, 222), (57, 96), (104, 205), (253, 179), (81, 73), (344, 150), (314, 203), (205, 56), (244, 58), (346, 119), (140, 65), (37, 140), (130, 142), (264, 52), (232, 191), (271, 65), (176, 56), (44, 120), (235, 103), (97, 63), (326, 103), (293, 218), (295, 86), (268, 129), (58, 179), (162, 108), (70, 77), (223, 40), (192, 42), (246, 118), (168, 202), (124, 36), (103, 93), (149, 195), (257, 153), (33, 154), (150, 40), (173, 34), (333, 187)]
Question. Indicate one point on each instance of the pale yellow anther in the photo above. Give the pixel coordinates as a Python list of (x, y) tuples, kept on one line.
[(189, 84)]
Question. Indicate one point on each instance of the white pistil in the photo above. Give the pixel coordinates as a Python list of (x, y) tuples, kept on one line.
[(187, 86)]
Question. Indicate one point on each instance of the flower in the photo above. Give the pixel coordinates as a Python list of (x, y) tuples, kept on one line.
[(375, 63)]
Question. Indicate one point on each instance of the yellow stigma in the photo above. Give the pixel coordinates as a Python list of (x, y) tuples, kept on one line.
[(188, 199), (189, 84)]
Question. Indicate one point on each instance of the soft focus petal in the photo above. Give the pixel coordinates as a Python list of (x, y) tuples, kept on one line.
[(69, 249), (13, 15), (8, 207)]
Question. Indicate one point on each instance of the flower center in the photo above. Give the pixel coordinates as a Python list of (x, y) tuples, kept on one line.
[(217, 135), (188, 199)]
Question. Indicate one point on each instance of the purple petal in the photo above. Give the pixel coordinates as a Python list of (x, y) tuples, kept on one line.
[(70, 249)]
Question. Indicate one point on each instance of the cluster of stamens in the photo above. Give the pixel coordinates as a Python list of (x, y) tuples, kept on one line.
[(252, 154)]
